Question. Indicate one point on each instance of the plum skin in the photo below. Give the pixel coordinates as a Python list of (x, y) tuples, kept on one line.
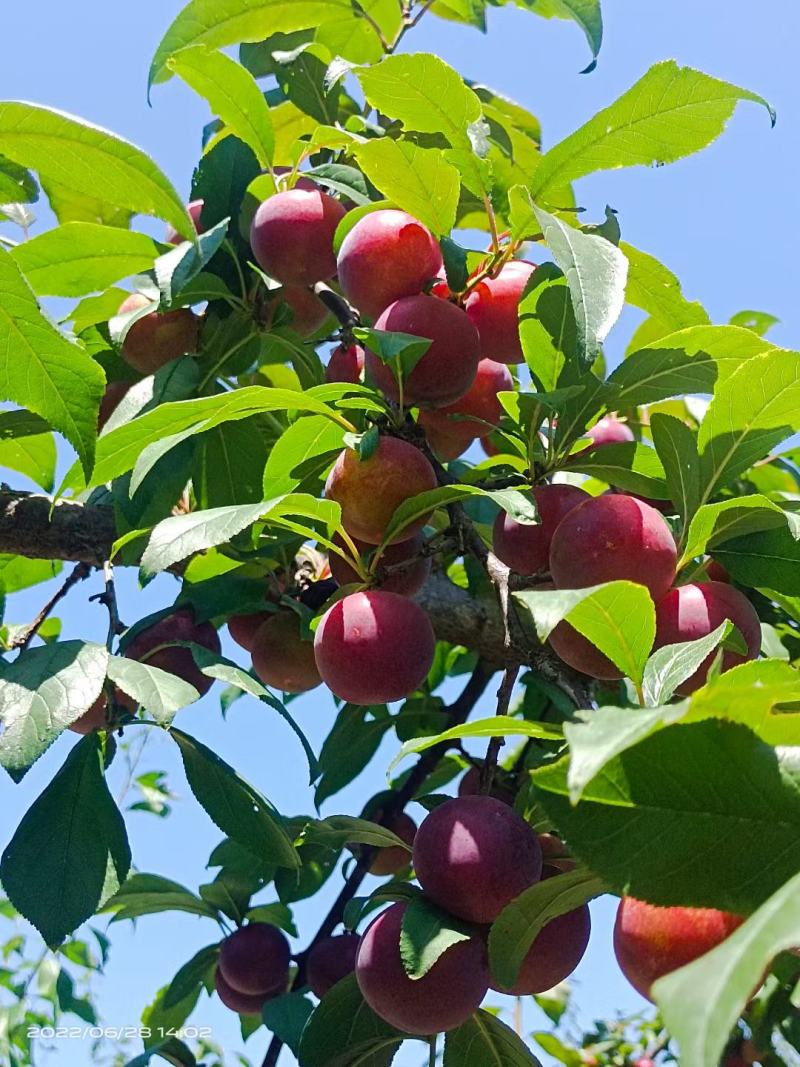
[(388, 861), (441, 1000), (555, 953), (370, 490), (493, 307), (406, 581), (255, 959), (281, 658), (241, 1003), (526, 549), (473, 855), (157, 338), (178, 626), (374, 647), (449, 437), (651, 941), (292, 236), (331, 960), (346, 364), (387, 255)]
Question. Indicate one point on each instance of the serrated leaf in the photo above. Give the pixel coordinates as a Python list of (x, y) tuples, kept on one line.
[(180, 536), (176, 270), (43, 692), (669, 113), (727, 976), (763, 695), (232, 94), (150, 894), (82, 257), (485, 1041), (419, 180), (345, 1032), (676, 444), (81, 157), (618, 617), (497, 726), (41, 370), (671, 665), (760, 322), (70, 852), (716, 523), (161, 694), (426, 934), (339, 830), (769, 559), (31, 454), (305, 439)]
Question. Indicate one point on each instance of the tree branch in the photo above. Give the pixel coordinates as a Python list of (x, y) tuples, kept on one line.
[(79, 574)]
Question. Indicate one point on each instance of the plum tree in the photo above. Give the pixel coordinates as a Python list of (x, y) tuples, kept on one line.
[(195, 209), (159, 337), (474, 855), (255, 959), (441, 1000), (374, 647), (613, 537), (650, 942), (555, 953), (387, 255), (493, 307), (448, 368), (392, 859), (406, 580), (156, 646), (695, 610), (241, 1003), (330, 960), (292, 236), (281, 658), (346, 364), (370, 490), (474, 415), (525, 548)]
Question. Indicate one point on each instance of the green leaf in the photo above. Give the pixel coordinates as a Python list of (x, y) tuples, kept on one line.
[(497, 726), (547, 327), (349, 747), (426, 934), (30, 453), (727, 976), (150, 894), (770, 559), (41, 370), (342, 179), (158, 1019), (656, 290), (305, 439), (753, 410), (521, 921), (345, 1032), (419, 180), (339, 830), (192, 976), (518, 505), (669, 113), (762, 695), (17, 185), (629, 465), (586, 13), (70, 852), (716, 523), (43, 692), (286, 1017), (302, 77), (673, 664), (760, 322), (82, 257), (618, 617), (676, 444), (596, 272), (687, 793), (235, 806), (161, 694), (485, 1041), (219, 23), (81, 157), (232, 94), (178, 268), (17, 573), (180, 536)]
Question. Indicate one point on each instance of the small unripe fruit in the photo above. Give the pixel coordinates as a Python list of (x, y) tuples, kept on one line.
[(255, 959), (387, 255), (154, 340), (374, 647), (443, 999), (493, 307), (387, 861), (371, 490), (474, 855), (650, 942), (241, 1003), (281, 658), (331, 960), (407, 581), (178, 626), (448, 368), (346, 364), (613, 537), (292, 236), (526, 549), (195, 209), (696, 610)]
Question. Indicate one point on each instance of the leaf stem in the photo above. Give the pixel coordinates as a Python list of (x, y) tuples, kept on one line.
[(226, 244)]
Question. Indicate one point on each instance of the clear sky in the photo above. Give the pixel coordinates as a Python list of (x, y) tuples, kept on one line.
[(725, 221)]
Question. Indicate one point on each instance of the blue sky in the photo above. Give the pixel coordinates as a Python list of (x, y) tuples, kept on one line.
[(723, 221)]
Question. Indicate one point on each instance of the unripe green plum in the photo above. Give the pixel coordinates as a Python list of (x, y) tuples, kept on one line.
[(474, 855), (281, 658), (405, 580), (526, 549), (331, 960), (195, 209), (696, 610), (493, 307), (292, 236), (387, 861), (650, 942), (346, 364), (241, 1003), (159, 337), (607, 538), (255, 960), (374, 647), (441, 1000), (387, 255), (448, 368), (178, 626), (370, 490)]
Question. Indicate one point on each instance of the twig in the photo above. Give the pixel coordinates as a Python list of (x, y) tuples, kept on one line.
[(109, 598), (345, 315), (432, 1054), (496, 743), (457, 713), (78, 574)]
